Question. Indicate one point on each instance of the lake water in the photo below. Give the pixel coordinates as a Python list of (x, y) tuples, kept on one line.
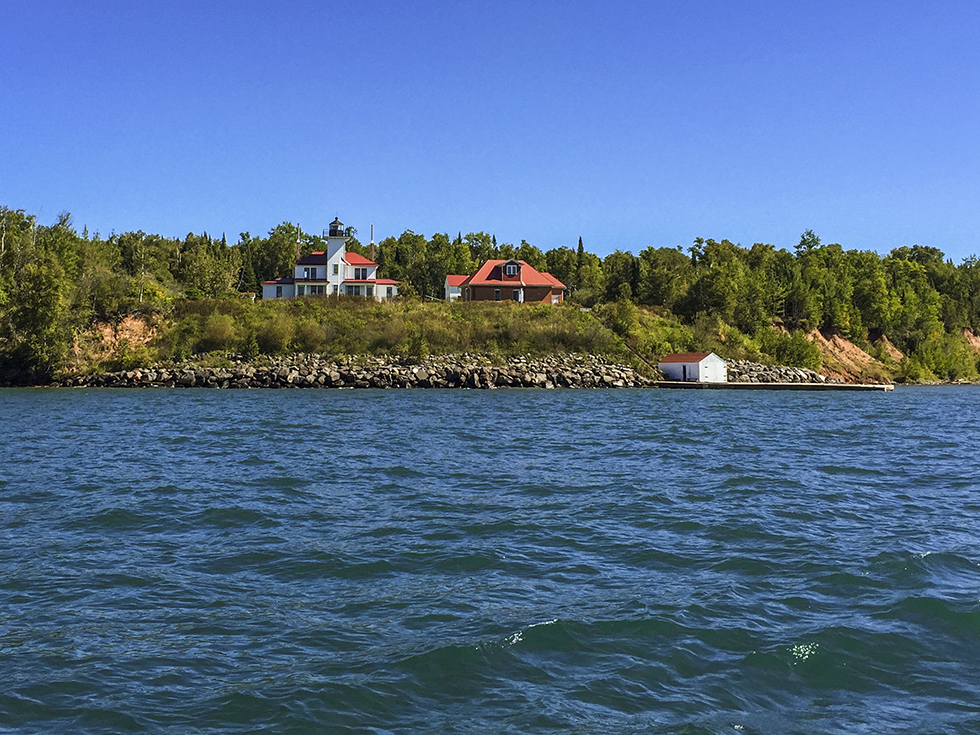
[(490, 561)]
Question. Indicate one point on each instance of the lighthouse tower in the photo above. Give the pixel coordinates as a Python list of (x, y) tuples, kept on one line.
[(336, 240)]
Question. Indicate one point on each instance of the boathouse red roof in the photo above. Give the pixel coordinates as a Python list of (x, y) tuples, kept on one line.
[(685, 357)]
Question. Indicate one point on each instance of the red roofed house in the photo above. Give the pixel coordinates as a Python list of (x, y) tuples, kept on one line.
[(512, 280), (333, 271), (453, 284), (697, 367)]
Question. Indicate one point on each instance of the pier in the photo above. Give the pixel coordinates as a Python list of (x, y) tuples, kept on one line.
[(690, 385)]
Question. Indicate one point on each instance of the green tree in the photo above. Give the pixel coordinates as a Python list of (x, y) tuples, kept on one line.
[(871, 294), (61, 241), (407, 259), (456, 259), (719, 280), (562, 263), (591, 280), (532, 256), (264, 259), (808, 242), (664, 277), (916, 319), (35, 325), (483, 247), (209, 268), (622, 270)]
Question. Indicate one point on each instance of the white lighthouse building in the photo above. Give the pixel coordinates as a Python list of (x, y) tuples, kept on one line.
[(332, 272)]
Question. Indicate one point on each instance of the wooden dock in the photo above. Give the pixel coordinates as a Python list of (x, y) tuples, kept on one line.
[(676, 384)]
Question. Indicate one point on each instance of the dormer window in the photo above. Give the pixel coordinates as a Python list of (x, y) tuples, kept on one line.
[(510, 269)]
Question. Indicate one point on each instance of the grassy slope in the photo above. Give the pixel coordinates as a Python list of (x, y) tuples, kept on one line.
[(357, 327)]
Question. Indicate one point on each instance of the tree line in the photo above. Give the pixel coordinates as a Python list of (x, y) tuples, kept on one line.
[(55, 281)]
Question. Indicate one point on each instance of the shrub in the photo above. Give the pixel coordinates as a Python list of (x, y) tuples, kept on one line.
[(418, 345), (130, 357), (790, 349), (620, 316), (911, 370), (391, 337), (218, 334), (275, 334), (250, 347), (309, 337)]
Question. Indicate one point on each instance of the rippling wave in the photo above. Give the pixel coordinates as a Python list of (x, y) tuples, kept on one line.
[(494, 561)]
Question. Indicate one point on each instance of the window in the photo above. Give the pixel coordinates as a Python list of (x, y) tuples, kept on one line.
[(278, 292), (360, 274), (300, 290), (309, 273), (389, 292), (496, 294), (353, 290), (335, 287), (511, 269), (336, 269), (370, 290), (517, 294), (466, 293)]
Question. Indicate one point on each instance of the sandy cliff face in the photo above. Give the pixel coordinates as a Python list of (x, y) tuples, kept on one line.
[(103, 339), (844, 360), (891, 350), (973, 338)]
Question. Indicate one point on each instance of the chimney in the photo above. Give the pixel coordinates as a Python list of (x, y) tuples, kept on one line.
[(371, 248)]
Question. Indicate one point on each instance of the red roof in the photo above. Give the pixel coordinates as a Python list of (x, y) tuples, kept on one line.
[(685, 357), (491, 274), (557, 283), (357, 259), (456, 280)]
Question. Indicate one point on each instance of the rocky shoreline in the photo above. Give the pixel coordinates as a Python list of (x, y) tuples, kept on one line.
[(446, 371), (314, 371)]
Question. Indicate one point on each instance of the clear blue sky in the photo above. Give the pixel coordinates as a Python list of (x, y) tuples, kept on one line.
[(628, 124)]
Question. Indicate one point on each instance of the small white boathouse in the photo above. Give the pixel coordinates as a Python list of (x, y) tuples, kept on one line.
[(694, 367)]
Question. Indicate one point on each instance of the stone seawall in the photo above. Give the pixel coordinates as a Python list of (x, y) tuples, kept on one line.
[(312, 371), (743, 371)]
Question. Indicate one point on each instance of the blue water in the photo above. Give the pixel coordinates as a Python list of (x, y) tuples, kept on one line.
[(490, 561)]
